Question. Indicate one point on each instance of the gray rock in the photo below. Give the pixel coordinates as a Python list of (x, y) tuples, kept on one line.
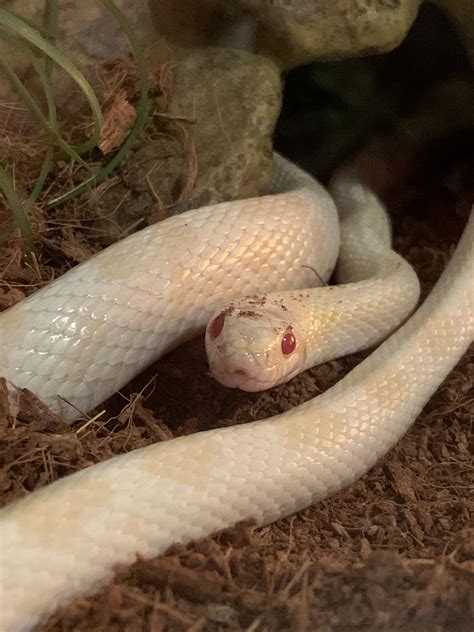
[(300, 31), (292, 32), (234, 98), (214, 141)]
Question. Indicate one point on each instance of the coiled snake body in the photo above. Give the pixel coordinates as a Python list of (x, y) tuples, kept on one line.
[(88, 333)]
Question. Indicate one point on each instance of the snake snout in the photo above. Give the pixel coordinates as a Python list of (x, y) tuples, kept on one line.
[(242, 378), (241, 373)]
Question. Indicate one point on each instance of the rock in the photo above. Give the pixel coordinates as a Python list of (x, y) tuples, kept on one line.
[(234, 98), (292, 32), (213, 142), (295, 32), (300, 31)]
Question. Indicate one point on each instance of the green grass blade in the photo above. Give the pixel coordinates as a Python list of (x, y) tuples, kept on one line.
[(36, 111), (44, 172), (39, 27), (142, 109), (51, 14), (47, 162), (51, 25), (31, 35), (6, 184)]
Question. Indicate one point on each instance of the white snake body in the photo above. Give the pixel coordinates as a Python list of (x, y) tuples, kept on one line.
[(377, 290), (65, 538), (87, 334)]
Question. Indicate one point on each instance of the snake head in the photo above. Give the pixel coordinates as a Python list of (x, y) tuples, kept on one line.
[(254, 344)]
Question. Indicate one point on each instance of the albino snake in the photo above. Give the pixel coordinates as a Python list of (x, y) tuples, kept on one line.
[(85, 335)]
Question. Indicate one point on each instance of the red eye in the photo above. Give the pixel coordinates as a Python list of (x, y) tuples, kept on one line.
[(217, 326), (288, 342)]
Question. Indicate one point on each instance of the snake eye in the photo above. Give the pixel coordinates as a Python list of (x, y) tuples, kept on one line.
[(288, 342), (217, 326)]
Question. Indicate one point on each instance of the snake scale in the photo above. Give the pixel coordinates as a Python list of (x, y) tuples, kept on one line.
[(86, 334)]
